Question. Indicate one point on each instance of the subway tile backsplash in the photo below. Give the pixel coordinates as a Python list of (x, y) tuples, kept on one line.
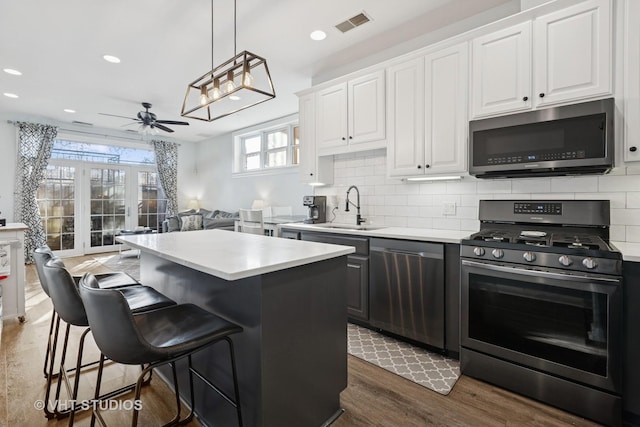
[(391, 202)]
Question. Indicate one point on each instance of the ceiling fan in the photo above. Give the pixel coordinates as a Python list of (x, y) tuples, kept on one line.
[(149, 121)]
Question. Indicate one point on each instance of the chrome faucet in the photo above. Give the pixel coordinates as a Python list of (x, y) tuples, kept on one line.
[(359, 219)]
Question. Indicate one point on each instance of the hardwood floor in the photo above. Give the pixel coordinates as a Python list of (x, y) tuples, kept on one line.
[(374, 397)]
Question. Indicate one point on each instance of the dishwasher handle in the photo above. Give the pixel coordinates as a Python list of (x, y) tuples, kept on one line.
[(421, 254)]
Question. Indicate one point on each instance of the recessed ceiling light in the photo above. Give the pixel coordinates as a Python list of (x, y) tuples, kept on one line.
[(10, 95), (12, 71), (318, 35), (112, 59), (69, 110), (234, 98)]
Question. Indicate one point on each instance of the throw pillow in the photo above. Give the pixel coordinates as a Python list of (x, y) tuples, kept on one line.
[(173, 224), (223, 214), (204, 212), (191, 222)]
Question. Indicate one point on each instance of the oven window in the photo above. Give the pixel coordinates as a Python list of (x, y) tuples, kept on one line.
[(561, 325)]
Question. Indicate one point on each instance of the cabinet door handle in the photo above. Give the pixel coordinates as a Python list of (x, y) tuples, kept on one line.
[(350, 137), (311, 174), (541, 95), (344, 139), (419, 166), (526, 98), (633, 149), (427, 166)]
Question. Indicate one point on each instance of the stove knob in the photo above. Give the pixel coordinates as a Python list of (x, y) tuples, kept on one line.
[(529, 256), (590, 263), (497, 253), (565, 260), (478, 251)]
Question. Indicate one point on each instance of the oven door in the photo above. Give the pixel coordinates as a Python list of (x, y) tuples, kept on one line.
[(549, 320)]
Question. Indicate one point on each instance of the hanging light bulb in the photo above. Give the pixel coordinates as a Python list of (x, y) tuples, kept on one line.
[(203, 95), (229, 85), (216, 93), (247, 79)]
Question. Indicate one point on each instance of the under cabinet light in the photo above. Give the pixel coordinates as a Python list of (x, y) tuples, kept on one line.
[(433, 178)]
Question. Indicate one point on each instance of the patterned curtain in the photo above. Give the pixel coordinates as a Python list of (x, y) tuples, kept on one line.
[(34, 152), (167, 164)]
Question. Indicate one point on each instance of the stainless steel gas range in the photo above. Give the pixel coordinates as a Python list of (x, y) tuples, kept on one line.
[(541, 304)]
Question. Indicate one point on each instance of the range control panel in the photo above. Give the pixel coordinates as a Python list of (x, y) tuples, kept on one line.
[(538, 208)]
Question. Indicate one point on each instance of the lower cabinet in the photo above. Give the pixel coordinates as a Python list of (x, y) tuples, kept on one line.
[(358, 270)]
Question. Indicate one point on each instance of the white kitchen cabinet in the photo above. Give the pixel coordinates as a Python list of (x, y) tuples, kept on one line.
[(427, 114), (350, 116), (312, 169), (501, 71), (631, 67), (565, 57)]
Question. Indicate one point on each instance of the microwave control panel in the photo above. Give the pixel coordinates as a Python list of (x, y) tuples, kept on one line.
[(543, 157)]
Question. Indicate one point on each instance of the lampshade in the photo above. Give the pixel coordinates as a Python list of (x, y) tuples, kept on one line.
[(257, 204), (193, 204)]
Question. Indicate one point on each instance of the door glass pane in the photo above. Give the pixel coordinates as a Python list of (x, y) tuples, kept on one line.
[(56, 200), (107, 205), (152, 202)]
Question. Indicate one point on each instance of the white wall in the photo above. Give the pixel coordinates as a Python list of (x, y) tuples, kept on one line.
[(218, 189), (7, 169), (394, 203)]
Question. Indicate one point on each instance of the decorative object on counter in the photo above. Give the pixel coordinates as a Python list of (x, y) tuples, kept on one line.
[(241, 82), (430, 370), (3, 221)]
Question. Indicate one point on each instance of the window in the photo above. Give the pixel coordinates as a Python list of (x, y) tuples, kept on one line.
[(268, 146)]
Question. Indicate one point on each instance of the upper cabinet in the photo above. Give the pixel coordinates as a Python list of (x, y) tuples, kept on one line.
[(313, 170), (565, 56), (631, 55), (350, 116), (427, 114), (501, 71)]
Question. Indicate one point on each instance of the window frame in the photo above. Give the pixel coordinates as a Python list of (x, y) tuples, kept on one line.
[(285, 124)]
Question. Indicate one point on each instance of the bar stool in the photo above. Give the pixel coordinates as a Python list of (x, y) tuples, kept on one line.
[(155, 338), (69, 307), (116, 279)]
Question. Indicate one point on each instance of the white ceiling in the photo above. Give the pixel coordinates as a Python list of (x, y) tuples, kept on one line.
[(165, 44)]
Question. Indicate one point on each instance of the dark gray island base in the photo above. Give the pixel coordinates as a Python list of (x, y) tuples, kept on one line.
[(292, 354)]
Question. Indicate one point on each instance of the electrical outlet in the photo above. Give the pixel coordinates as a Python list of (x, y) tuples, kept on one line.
[(449, 208)]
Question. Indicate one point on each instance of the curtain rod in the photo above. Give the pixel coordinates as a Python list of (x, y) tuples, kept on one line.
[(105, 135)]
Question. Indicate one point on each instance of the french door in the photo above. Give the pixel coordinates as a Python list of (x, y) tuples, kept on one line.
[(85, 205)]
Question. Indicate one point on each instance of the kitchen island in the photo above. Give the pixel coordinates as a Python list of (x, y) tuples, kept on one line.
[(290, 298)]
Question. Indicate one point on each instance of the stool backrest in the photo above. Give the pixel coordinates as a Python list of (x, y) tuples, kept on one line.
[(251, 221), (112, 324), (64, 293), (40, 256)]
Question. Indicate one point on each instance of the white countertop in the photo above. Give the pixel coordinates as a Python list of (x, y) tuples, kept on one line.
[(421, 234), (13, 226), (230, 255), (630, 251)]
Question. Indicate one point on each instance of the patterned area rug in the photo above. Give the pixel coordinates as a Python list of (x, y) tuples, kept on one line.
[(127, 262), (429, 370)]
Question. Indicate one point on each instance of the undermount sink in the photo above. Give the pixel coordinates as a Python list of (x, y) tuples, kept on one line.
[(348, 226)]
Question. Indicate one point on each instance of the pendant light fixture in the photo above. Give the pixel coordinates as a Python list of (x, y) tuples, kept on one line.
[(241, 82)]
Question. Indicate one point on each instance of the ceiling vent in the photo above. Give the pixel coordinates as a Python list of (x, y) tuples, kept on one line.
[(353, 22)]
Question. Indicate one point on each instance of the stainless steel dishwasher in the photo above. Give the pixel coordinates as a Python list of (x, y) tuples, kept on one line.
[(406, 294)]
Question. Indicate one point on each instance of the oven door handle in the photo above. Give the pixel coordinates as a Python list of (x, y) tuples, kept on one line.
[(539, 273)]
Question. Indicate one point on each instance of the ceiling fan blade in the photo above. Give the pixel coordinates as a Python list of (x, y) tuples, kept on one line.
[(171, 122), (122, 117), (162, 127)]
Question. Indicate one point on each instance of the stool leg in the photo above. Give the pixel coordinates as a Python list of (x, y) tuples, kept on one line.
[(52, 357), (134, 421), (76, 382), (60, 372), (235, 379), (46, 356), (176, 419), (97, 394)]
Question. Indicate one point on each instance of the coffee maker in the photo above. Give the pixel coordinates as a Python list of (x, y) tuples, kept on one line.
[(317, 209)]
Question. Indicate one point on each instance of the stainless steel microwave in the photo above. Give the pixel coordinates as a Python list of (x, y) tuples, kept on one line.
[(568, 140)]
